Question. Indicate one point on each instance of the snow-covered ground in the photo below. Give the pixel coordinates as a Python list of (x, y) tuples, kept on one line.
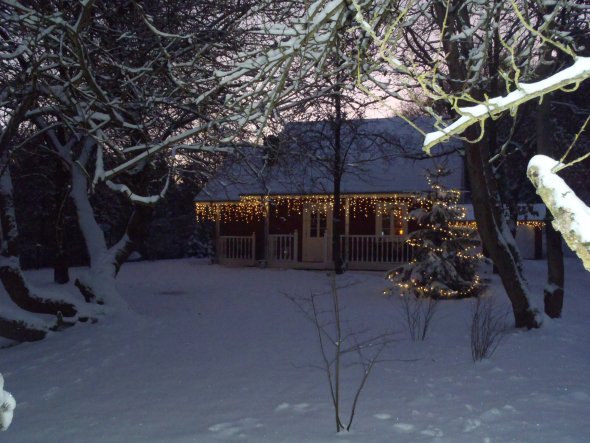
[(220, 354)]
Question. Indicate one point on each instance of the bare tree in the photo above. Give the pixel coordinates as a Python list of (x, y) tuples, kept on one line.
[(336, 345)]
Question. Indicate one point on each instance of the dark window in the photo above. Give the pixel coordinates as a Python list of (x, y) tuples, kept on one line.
[(392, 222), (386, 223), (318, 224)]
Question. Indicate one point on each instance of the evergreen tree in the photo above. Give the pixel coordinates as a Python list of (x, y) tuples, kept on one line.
[(446, 256)]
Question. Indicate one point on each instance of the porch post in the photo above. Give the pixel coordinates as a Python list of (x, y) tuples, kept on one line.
[(217, 236), (295, 246), (347, 216), (344, 248), (326, 259)]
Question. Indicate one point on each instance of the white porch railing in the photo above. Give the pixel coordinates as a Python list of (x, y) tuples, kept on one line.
[(282, 247), (236, 248), (375, 249)]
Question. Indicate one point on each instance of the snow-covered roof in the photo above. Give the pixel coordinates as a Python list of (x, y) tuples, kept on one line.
[(382, 156)]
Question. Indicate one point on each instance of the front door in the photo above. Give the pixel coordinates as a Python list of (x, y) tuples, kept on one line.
[(316, 234)]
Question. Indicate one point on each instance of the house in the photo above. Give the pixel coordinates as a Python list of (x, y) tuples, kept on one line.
[(274, 206)]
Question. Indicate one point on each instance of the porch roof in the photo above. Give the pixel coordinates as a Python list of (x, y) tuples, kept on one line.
[(383, 157)]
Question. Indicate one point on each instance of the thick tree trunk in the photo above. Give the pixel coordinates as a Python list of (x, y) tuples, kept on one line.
[(16, 286), (19, 331), (553, 292), (134, 234), (495, 234), (10, 272), (491, 223), (61, 269), (99, 284)]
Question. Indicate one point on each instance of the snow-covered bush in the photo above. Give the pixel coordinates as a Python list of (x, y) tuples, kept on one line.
[(7, 405)]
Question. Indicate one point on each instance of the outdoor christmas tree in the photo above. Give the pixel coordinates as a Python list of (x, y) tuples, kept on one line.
[(445, 249)]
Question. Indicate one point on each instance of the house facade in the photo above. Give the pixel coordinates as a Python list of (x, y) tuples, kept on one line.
[(280, 213), (296, 230)]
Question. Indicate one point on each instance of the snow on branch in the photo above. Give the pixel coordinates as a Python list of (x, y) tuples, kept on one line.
[(525, 92), (262, 79), (135, 198), (571, 215)]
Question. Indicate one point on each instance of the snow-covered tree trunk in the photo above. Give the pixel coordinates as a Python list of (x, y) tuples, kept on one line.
[(496, 236), (492, 223), (20, 330), (98, 284), (11, 274), (554, 289)]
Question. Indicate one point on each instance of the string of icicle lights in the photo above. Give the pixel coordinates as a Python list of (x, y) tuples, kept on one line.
[(537, 224), (252, 208)]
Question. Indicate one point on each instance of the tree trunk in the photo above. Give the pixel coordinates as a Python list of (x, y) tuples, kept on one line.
[(19, 292), (10, 272), (90, 285), (553, 292), (491, 223), (19, 331), (135, 234), (495, 234), (337, 179), (99, 284), (61, 273)]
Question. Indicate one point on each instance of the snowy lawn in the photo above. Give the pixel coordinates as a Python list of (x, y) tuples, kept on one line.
[(209, 354)]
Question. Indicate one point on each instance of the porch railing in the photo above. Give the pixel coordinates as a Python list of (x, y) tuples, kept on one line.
[(375, 249), (237, 248), (282, 247)]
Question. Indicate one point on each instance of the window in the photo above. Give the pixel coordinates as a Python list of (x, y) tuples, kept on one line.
[(317, 224), (392, 221)]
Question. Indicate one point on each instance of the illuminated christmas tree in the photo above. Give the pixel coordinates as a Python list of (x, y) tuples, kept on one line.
[(445, 251)]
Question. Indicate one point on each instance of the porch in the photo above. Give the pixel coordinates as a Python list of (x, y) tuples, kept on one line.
[(359, 252)]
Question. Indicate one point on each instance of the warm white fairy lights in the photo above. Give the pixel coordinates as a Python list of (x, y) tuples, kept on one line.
[(445, 248), (471, 224), (251, 207)]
